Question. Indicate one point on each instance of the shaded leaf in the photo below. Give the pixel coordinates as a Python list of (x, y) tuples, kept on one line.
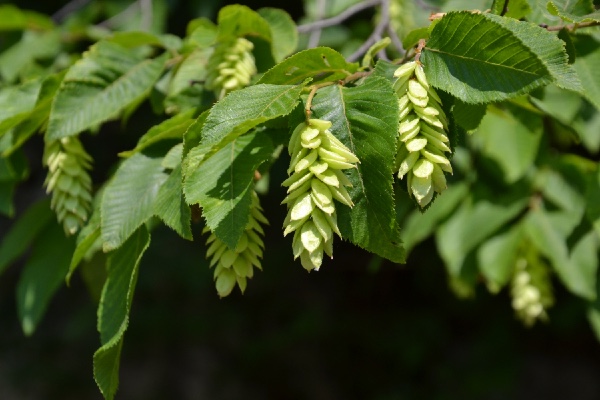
[(365, 119), (222, 185), (128, 200), (23, 232), (170, 205), (114, 308), (574, 11), (284, 35), (587, 66), (497, 256), (32, 46), (320, 64), (237, 20), (42, 275), (107, 80)]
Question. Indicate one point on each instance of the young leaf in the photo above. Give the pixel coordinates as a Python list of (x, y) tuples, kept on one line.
[(577, 12), (32, 46), (42, 275), (579, 279), (284, 34), (222, 185), (481, 58), (129, 198), (114, 308), (236, 20), (320, 64), (365, 119), (497, 256), (16, 103), (170, 205), (239, 112), (107, 80)]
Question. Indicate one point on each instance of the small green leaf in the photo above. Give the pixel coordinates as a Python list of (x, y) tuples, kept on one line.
[(516, 9), (510, 142), (222, 185), (13, 18), (132, 39), (284, 34), (107, 80), (170, 205), (86, 239), (497, 255), (114, 308), (579, 279), (320, 64), (16, 103), (201, 32), (592, 204), (185, 89), (236, 114), (237, 20), (365, 119), (32, 46), (23, 232), (42, 275), (172, 128), (468, 116), (414, 36), (510, 58), (367, 60), (129, 198), (574, 11)]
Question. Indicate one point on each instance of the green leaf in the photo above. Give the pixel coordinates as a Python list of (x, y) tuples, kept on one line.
[(510, 58), (236, 20), (237, 113), (185, 90), (365, 119), (592, 204), (23, 232), (468, 116), (7, 191), (132, 39), (464, 230), (32, 46), (35, 119), (510, 142), (86, 239), (579, 279), (593, 312), (320, 64), (517, 9), (222, 185), (170, 205), (13, 18), (497, 256), (16, 103), (574, 11), (114, 308), (172, 128), (414, 36), (284, 34), (42, 275), (367, 60), (107, 80), (129, 198), (201, 32), (420, 225), (587, 66)]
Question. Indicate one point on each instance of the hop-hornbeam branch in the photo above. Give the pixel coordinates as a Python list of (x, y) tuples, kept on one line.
[(384, 22), (338, 19), (315, 36), (570, 27)]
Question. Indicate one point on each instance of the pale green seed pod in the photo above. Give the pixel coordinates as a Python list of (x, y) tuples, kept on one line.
[(422, 134), (237, 265), (68, 180), (230, 67), (531, 288), (317, 161)]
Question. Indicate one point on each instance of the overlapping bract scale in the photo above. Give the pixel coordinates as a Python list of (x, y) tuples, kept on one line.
[(68, 180), (230, 67), (237, 265), (316, 179), (422, 134)]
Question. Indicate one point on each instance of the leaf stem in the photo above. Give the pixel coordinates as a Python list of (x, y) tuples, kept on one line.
[(505, 8)]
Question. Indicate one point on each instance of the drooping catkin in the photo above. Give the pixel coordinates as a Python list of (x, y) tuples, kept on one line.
[(68, 179)]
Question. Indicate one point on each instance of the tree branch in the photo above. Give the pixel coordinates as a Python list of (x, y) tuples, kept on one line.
[(384, 21), (570, 27), (395, 40), (315, 36), (338, 19), (68, 9), (146, 9), (505, 8), (129, 12)]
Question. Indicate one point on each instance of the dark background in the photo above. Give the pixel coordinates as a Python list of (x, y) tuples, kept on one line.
[(360, 328)]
